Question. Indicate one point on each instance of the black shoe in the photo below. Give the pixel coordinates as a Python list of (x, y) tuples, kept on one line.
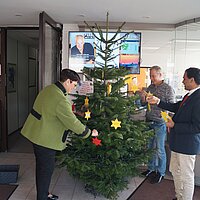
[(174, 199), (147, 172), (156, 179), (52, 197)]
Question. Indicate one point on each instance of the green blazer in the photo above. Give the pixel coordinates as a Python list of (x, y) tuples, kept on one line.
[(51, 118)]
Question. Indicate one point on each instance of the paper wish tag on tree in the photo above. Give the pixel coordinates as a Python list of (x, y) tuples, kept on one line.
[(165, 116), (85, 87)]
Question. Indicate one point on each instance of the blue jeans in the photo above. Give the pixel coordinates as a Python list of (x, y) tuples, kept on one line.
[(158, 161)]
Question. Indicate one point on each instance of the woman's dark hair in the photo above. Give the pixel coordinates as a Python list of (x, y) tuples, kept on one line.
[(69, 74), (193, 72)]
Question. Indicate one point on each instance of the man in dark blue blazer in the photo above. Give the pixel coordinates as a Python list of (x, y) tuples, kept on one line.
[(184, 139)]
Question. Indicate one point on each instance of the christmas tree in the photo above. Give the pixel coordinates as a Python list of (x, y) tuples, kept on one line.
[(106, 162)]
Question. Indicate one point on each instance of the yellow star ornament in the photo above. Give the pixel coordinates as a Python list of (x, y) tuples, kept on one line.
[(165, 116), (116, 123), (86, 102), (148, 105), (109, 88), (134, 88), (87, 114), (129, 80)]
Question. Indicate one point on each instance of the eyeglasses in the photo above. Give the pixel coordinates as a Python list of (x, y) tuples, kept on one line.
[(74, 83)]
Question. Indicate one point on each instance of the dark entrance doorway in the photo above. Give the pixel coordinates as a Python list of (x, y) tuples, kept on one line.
[(30, 60)]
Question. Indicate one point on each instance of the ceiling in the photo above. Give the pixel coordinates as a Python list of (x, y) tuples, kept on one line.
[(26, 12), (139, 15)]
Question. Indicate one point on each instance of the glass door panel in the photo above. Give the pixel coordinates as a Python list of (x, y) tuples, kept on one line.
[(49, 51)]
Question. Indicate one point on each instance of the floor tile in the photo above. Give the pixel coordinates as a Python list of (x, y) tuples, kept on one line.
[(62, 184)]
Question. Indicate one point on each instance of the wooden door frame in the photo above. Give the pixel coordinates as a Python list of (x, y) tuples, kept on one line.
[(3, 101)]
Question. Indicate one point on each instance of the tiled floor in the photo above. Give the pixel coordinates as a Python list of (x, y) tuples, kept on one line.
[(66, 187)]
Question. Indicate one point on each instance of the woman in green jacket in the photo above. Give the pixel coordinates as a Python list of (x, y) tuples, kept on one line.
[(47, 127)]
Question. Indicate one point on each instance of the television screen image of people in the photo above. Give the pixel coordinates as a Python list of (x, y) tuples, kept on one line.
[(83, 49)]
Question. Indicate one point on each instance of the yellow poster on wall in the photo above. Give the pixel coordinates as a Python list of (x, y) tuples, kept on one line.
[(138, 81)]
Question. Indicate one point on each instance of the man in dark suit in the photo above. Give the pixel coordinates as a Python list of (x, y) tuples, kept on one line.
[(184, 139)]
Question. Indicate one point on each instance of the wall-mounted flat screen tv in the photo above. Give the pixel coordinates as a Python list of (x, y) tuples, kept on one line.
[(83, 51)]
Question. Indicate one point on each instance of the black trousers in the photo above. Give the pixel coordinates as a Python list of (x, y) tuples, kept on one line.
[(45, 164)]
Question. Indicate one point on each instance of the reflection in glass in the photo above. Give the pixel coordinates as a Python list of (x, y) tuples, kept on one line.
[(51, 54)]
